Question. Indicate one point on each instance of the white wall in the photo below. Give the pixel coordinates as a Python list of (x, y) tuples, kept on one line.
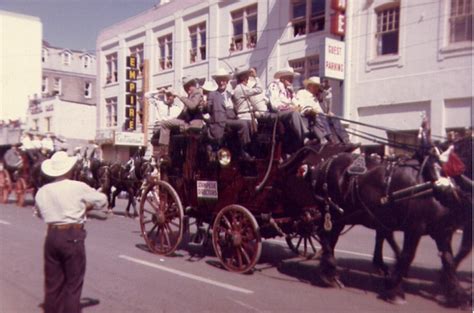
[(428, 75), (20, 62)]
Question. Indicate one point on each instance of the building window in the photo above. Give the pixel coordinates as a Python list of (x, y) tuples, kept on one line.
[(306, 67), (44, 85), (111, 65), (388, 24), (165, 45), (460, 21), (137, 52), (67, 58), (307, 16), (244, 24), (48, 123), (57, 86), (88, 90), (197, 36), (111, 109), (405, 137), (35, 124), (44, 55), (86, 61)]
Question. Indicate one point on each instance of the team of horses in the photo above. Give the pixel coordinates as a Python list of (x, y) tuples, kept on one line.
[(429, 203)]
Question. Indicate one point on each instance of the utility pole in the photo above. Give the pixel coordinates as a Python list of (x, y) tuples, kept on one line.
[(145, 84)]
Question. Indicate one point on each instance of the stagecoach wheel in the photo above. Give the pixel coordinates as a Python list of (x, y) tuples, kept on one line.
[(161, 218), (236, 239), (302, 244), (20, 190), (5, 186)]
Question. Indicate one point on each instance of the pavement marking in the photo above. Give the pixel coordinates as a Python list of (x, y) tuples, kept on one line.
[(370, 256), (187, 275), (4, 222), (245, 305)]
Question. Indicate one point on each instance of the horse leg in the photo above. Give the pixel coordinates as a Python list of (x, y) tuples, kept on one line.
[(394, 292), (456, 295), (328, 264), (377, 261), (132, 193), (466, 245), (114, 195)]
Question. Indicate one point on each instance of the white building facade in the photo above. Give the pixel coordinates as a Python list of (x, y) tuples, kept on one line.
[(20, 63), (195, 38), (407, 58), (67, 106)]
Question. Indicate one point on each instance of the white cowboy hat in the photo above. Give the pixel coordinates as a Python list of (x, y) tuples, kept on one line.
[(188, 80), (209, 85), (315, 80), (59, 164), (286, 71), (221, 73), (241, 70)]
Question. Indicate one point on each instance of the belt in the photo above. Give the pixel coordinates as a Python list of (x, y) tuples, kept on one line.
[(65, 226)]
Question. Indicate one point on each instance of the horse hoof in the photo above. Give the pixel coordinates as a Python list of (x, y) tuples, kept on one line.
[(396, 300), (331, 282), (395, 297)]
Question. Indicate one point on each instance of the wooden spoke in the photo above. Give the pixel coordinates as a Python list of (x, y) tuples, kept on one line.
[(169, 228), (236, 239)]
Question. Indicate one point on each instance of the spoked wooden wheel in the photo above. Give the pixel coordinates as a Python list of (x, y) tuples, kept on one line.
[(5, 186), (20, 190), (303, 244), (161, 218), (302, 240), (236, 239)]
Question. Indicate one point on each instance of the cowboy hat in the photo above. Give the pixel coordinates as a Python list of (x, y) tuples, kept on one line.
[(188, 80), (242, 70), (221, 73), (286, 71), (59, 164), (209, 85), (315, 80)]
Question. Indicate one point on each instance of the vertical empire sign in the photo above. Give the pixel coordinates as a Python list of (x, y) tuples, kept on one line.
[(131, 95)]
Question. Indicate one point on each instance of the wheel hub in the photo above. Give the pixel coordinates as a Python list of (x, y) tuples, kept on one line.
[(236, 239), (160, 217)]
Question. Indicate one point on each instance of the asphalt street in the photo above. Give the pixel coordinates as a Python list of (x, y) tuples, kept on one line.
[(125, 277)]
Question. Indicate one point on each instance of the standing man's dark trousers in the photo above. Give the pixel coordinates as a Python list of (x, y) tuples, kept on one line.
[(64, 269)]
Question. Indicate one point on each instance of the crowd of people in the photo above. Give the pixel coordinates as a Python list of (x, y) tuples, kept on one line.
[(238, 102)]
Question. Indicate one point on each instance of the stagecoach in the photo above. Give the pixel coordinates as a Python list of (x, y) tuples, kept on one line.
[(207, 191), (19, 174)]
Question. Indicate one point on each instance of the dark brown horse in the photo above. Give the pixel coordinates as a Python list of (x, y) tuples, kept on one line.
[(360, 197), (121, 178), (463, 188)]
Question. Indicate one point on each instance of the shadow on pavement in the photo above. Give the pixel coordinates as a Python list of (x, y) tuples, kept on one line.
[(360, 274)]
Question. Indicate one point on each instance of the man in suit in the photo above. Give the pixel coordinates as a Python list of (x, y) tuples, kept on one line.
[(223, 116)]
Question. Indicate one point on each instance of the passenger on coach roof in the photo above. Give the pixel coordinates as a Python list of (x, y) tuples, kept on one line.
[(223, 116), (245, 106), (307, 103), (190, 116), (325, 99), (281, 95)]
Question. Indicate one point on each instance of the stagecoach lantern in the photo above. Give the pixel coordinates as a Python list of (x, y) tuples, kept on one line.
[(224, 156)]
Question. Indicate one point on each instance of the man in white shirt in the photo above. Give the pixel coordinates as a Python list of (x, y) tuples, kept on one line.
[(166, 105), (281, 95), (307, 103), (62, 205)]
